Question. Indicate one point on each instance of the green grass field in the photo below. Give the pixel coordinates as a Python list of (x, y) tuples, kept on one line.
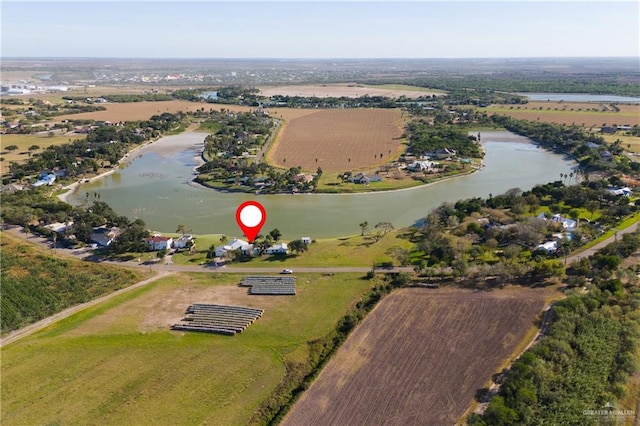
[(115, 364), (629, 143), (23, 142), (342, 252)]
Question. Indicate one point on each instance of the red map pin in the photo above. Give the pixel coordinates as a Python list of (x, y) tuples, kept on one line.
[(250, 217)]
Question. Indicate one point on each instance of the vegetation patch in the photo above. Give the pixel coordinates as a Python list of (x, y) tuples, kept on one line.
[(36, 284), (119, 360)]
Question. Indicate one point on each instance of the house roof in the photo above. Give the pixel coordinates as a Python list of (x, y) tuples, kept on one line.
[(158, 238)]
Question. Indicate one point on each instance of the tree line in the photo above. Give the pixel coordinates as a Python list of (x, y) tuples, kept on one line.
[(582, 364)]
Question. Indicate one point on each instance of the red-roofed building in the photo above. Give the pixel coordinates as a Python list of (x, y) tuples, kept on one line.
[(158, 242)]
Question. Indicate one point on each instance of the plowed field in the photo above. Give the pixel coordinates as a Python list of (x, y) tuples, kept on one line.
[(339, 139), (418, 358), (579, 113)]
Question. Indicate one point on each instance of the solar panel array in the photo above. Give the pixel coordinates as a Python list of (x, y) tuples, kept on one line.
[(270, 285), (221, 319)]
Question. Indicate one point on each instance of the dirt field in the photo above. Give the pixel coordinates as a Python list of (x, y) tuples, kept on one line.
[(340, 140), (580, 113), (347, 90), (419, 358)]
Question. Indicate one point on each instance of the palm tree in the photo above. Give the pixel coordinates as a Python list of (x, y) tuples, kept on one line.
[(223, 239)]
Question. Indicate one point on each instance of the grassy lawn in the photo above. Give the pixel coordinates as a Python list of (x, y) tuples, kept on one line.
[(629, 143), (115, 364), (346, 251), (611, 232), (23, 142)]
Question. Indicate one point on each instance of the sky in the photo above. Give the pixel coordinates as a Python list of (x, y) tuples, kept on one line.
[(321, 29)]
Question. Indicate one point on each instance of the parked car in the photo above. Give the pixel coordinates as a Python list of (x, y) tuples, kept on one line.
[(286, 271)]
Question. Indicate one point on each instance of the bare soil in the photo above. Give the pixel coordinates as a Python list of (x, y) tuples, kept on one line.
[(338, 140), (419, 358), (166, 305), (339, 90)]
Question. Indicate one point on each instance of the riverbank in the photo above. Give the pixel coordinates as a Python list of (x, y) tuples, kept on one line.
[(165, 147), (164, 202)]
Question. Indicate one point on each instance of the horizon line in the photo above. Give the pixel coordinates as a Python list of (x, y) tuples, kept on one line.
[(314, 59)]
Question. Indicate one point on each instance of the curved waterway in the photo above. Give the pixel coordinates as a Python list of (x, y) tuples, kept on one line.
[(155, 187)]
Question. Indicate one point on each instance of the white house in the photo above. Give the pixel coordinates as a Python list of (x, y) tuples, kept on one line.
[(421, 166), (306, 240), (158, 242), (183, 242), (549, 246), (626, 191), (104, 236), (280, 248), (235, 244), (568, 224)]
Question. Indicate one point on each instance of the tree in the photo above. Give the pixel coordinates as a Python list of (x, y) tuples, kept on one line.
[(11, 147), (364, 227), (182, 228), (297, 246), (34, 147), (162, 254), (384, 227), (275, 234), (223, 239)]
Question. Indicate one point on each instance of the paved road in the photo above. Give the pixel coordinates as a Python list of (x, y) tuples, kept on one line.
[(591, 251)]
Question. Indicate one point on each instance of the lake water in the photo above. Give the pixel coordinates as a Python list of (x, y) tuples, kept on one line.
[(155, 187), (579, 97)]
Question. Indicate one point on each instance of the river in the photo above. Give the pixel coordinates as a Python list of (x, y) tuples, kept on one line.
[(155, 187)]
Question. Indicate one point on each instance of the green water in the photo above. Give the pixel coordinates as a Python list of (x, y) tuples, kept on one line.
[(155, 187)]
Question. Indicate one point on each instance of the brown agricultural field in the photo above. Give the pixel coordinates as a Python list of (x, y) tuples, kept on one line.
[(348, 90), (339, 139), (579, 113), (419, 357)]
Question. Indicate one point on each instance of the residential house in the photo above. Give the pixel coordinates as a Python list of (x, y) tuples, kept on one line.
[(159, 242), (11, 188), (442, 154), (59, 227), (303, 178), (235, 244), (626, 191), (46, 180), (104, 236), (421, 166), (549, 246), (568, 224), (279, 248), (305, 240), (185, 241), (363, 179)]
